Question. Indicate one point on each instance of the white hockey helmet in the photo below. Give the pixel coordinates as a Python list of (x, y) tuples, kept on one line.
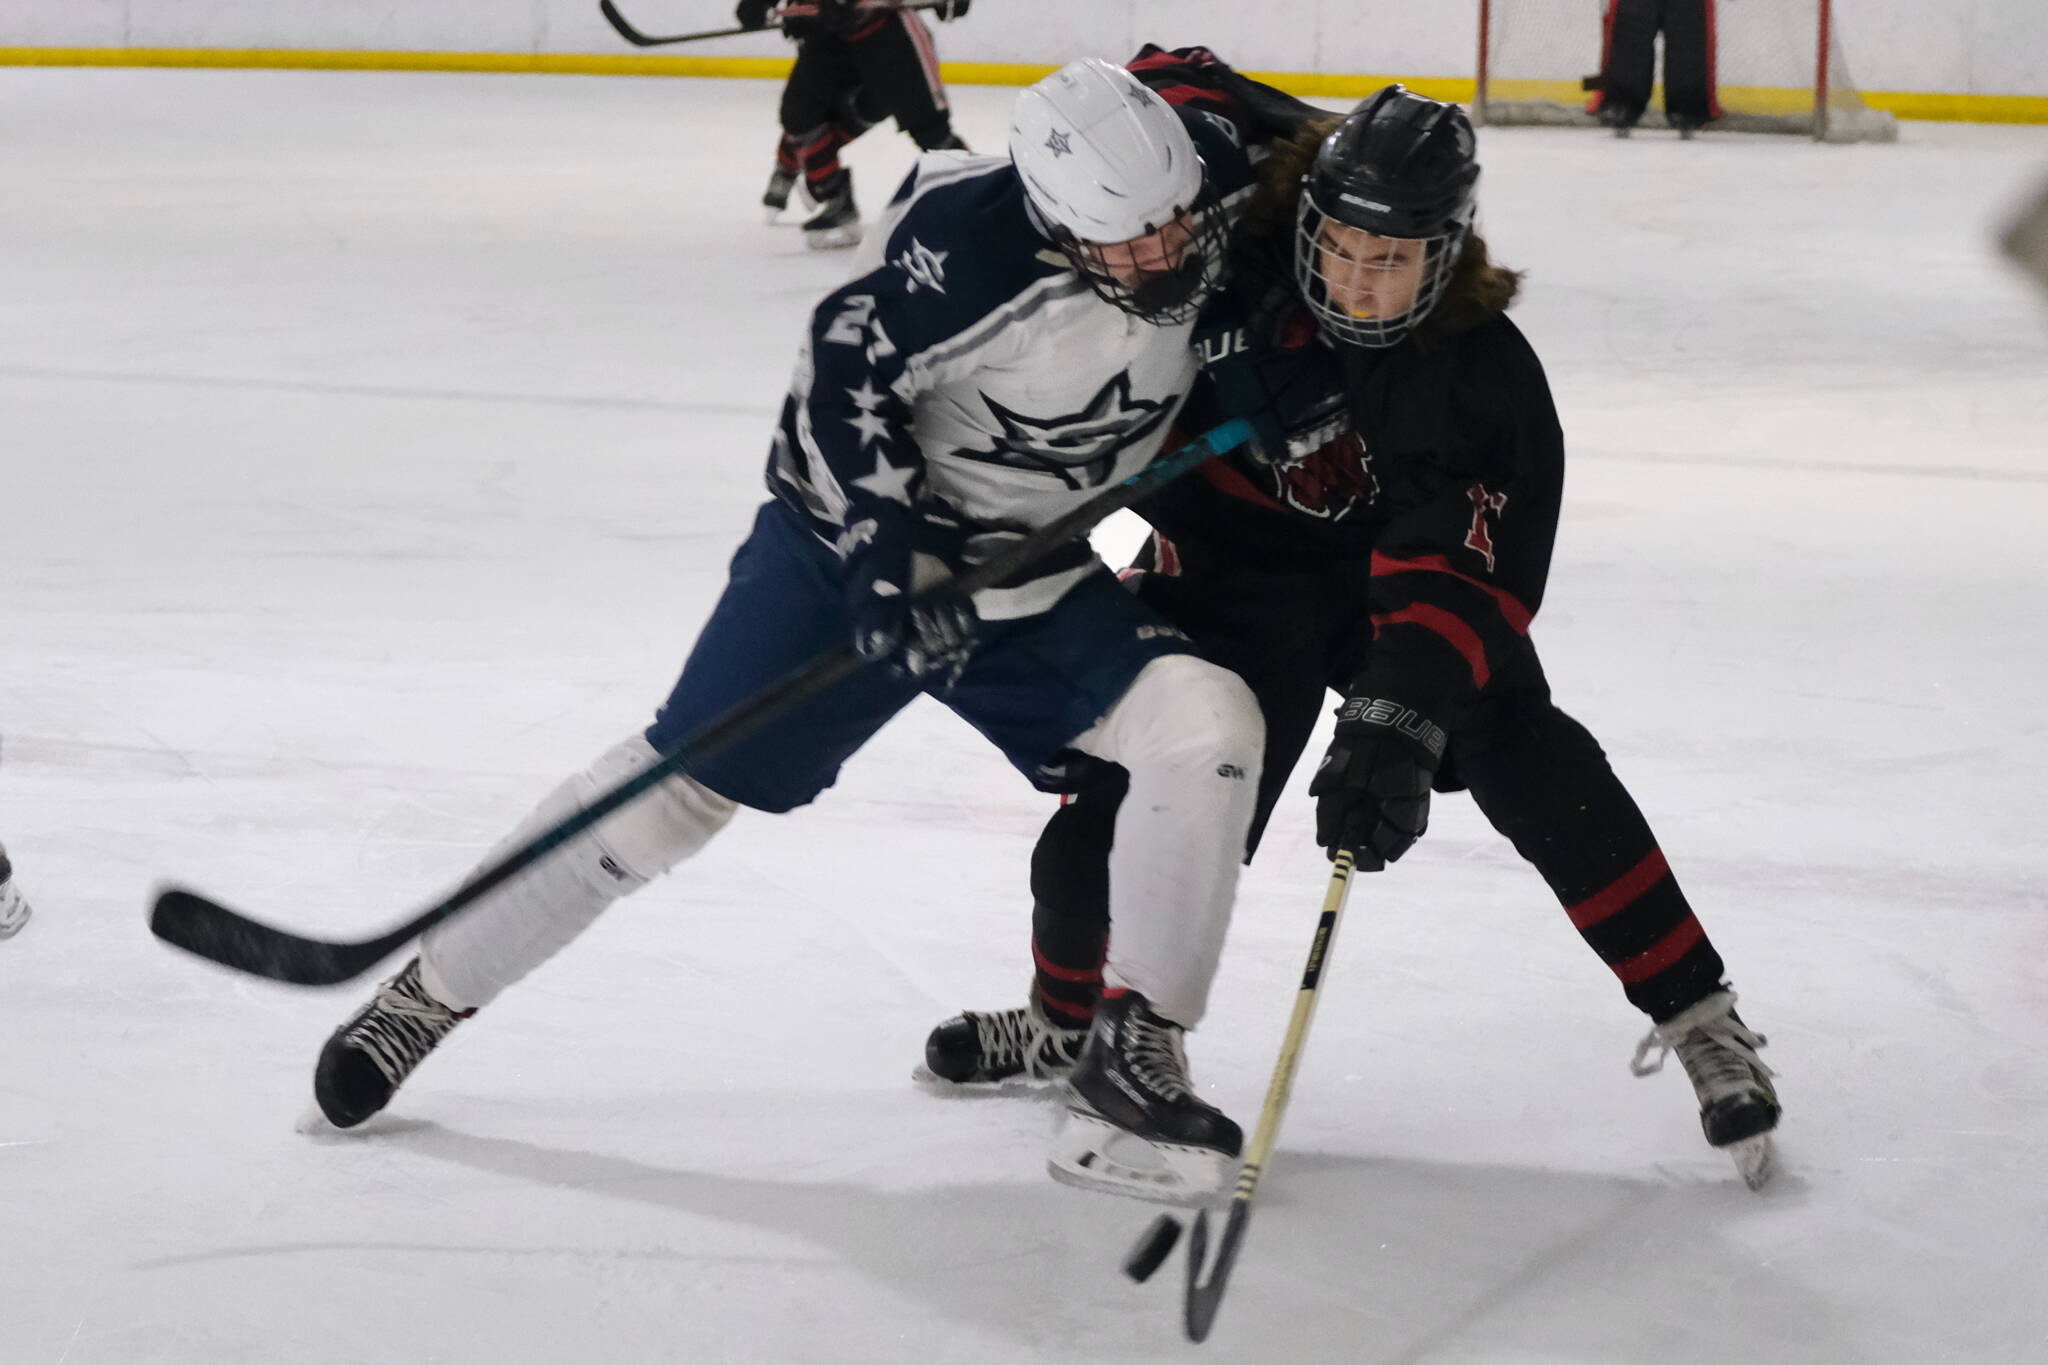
[(1113, 178), (1102, 156)]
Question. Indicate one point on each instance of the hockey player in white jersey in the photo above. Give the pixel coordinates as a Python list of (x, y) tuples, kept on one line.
[(1016, 337)]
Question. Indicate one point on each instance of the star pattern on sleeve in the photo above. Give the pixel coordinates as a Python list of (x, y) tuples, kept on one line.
[(888, 481), (870, 426), (869, 423)]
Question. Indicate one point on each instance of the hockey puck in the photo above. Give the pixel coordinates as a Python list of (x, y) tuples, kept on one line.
[(1153, 1248)]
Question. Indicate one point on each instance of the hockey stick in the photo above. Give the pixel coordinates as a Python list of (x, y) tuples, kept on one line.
[(638, 39), (210, 930), (1205, 1296)]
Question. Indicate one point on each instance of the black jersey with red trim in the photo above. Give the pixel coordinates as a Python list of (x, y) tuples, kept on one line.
[(1435, 467), (1430, 473), (1303, 493), (1469, 456), (1196, 78)]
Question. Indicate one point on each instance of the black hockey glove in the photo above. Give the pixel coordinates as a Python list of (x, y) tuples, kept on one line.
[(1372, 790), (753, 13), (951, 9), (922, 634)]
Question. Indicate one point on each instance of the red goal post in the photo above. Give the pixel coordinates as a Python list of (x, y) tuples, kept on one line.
[(1777, 68)]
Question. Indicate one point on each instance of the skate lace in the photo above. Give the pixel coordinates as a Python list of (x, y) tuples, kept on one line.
[(401, 1025), (1028, 1039), (1157, 1057), (1718, 1051)]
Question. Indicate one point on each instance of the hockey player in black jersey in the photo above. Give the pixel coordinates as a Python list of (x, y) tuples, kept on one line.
[(857, 63), (1389, 539), (1014, 340)]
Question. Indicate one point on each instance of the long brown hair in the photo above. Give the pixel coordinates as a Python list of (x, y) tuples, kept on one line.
[(1479, 287)]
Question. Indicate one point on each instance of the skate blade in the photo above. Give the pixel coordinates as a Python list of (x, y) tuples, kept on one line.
[(832, 239), (1091, 1153), (314, 1123), (1756, 1159)]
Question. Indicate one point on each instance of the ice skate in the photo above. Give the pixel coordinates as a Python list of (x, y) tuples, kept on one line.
[(370, 1056), (985, 1048), (1686, 126), (836, 224), (1620, 120), (14, 910), (781, 185), (1738, 1105), (1133, 1125)]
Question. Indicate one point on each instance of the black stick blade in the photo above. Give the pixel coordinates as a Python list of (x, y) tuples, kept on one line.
[(1206, 1296), (624, 29), (1151, 1250), (207, 929)]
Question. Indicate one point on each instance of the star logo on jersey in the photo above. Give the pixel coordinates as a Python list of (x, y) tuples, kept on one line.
[(1079, 447), (888, 481), (1060, 143), (926, 268)]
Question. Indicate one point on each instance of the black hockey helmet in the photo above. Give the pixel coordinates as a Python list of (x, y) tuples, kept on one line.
[(1400, 165)]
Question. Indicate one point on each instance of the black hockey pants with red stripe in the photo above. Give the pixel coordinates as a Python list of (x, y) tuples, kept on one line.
[(1537, 775), (844, 84)]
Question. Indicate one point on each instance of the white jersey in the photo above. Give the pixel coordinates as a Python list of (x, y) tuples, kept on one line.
[(968, 371)]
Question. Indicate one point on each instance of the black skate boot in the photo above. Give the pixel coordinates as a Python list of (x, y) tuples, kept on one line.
[(1686, 126), (776, 197), (13, 905), (976, 1048), (1738, 1104), (781, 185), (1622, 121), (1133, 1125), (370, 1056), (836, 224)]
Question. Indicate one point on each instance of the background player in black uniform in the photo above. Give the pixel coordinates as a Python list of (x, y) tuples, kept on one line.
[(1628, 62), (856, 64), (1389, 539)]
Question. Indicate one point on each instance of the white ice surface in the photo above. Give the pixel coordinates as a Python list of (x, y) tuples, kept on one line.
[(371, 447)]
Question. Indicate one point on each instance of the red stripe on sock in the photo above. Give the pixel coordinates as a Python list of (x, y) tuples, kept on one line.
[(1081, 1014), (1622, 892), (1668, 950), (1052, 969)]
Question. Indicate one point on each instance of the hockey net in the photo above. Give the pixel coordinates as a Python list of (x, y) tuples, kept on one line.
[(1777, 67)]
